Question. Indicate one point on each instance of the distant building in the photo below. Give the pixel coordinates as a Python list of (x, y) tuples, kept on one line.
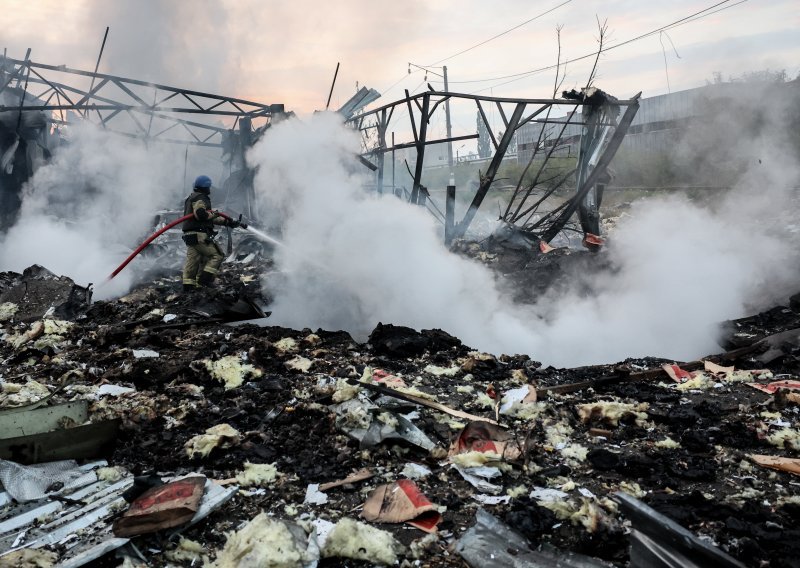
[(660, 122)]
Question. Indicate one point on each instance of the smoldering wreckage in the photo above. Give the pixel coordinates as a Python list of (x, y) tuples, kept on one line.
[(164, 429)]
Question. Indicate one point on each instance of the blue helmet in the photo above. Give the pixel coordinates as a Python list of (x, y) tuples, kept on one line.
[(202, 182)]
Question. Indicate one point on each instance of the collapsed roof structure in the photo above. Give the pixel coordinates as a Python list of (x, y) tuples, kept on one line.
[(593, 466)]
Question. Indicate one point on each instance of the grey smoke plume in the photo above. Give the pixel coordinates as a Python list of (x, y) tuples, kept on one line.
[(83, 212), (353, 259), (186, 44)]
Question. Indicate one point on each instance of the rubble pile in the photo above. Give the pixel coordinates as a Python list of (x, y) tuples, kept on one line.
[(412, 449)]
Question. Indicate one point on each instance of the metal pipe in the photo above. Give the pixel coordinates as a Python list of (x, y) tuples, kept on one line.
[(330, 94)]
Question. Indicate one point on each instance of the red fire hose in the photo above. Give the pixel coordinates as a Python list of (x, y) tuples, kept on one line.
[(153, 237)]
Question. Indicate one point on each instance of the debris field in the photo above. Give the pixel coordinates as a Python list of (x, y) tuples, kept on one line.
[(340, 453)]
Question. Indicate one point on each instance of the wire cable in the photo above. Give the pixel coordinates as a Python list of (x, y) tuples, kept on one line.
[(685, 20), (484, 42)]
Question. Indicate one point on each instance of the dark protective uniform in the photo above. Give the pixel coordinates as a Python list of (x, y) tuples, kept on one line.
[(203, 255)]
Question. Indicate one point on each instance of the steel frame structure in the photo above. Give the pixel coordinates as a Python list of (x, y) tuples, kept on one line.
[(108, 97), (515, 113)]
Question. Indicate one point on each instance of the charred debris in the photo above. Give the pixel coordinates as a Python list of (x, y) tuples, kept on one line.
[(266, 446), (164, 429)]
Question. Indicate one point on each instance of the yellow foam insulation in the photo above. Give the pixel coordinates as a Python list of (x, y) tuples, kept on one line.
[(465, 389), (112, 474), (187, 551), (442, 371), (14, 394), (264, 543), (612, 411), (285, 345), (475, 459), (485, 400), (558, 434), (748, 376), (345, 391), (312, 339), (28, 558), (56, 327), (785, 438), (300, 364), (358, 417), (231, 371), (8, 310), (527, 410), (632, 488), (575, 452), (517, 492), (389, 419), (451, 422), (588, 514), (667, 444), (701, 381), (352, 539), (219, 436), (257, 474), (519, 376)]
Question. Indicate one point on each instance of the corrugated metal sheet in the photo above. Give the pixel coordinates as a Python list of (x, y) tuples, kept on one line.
[(77, 524)]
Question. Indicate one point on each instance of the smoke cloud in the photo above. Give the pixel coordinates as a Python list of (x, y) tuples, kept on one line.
[(353, 259), (82, 212)]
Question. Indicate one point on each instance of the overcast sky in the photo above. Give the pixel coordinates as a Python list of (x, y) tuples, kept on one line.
[(286, 52)]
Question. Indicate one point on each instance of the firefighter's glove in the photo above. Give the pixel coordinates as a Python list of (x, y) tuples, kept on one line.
[(232, 223)]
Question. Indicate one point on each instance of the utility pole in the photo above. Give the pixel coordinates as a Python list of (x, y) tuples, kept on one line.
[(449, 129)]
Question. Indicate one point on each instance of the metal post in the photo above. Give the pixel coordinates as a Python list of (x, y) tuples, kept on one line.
[(449, 214), (382, 125), (449, 126), (394, 186), (245, 142), (423, 130)]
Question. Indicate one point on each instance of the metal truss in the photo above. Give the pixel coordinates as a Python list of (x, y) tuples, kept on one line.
[(128, 106), (419, 110)]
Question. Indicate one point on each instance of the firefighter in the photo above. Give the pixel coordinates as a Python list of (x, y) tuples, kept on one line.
[(203, 255)]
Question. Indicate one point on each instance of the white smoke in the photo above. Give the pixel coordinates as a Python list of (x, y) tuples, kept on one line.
[(353, 259), (84, 211)]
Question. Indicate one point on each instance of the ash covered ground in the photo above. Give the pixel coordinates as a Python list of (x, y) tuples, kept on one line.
[(295, 396)]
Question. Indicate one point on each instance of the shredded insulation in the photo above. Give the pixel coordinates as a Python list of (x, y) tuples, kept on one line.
[(257, 474), (475, 459), (187, 551), (442, 371), (8, 310), (300, 364), (231, 371), (285, 345), (27, 558), (219, 436), (587, 514), (667, 444), (345, 391), (787, 438), (264, 543), (611, 412), (352, 539)]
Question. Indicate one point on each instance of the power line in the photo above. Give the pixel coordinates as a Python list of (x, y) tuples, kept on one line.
[(484, 42), (676, 23)]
